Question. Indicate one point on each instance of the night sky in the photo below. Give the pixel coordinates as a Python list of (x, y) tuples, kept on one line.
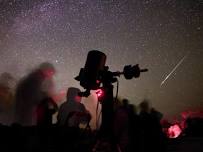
[(165, 36)]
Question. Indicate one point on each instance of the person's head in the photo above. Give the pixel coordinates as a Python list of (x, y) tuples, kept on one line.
[(144, 106), (72, 94), (125, 102), (47, 69)]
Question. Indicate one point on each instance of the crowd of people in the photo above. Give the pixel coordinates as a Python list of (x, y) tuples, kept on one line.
[(134, 128)]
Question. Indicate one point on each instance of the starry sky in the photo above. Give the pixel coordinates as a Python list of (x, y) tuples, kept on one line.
[(156, 34)]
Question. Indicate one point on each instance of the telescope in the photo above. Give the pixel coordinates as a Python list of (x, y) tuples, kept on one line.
[(96, 74)]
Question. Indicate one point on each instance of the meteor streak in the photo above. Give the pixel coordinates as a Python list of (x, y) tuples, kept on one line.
[(179, 63)]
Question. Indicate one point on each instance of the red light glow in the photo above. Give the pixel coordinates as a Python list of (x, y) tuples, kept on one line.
[(48, 73), (99, 93), (174, 131)]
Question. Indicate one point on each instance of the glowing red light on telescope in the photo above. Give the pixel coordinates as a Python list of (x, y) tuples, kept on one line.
[(99, 93)]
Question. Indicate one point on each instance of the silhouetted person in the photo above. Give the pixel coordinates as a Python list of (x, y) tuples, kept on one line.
[(30, 91), (123, 121), (45, 110), (7, 84), (151, 128), (134, 129), (72, 112)]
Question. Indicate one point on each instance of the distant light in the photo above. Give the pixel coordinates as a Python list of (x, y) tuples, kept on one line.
[(174, 131)]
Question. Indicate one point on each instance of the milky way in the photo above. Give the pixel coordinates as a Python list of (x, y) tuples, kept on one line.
[(155, 34)]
